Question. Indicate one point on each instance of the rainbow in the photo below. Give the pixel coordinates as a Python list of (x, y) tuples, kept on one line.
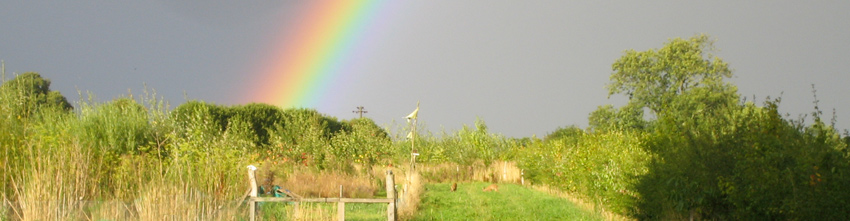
[(306, 60)]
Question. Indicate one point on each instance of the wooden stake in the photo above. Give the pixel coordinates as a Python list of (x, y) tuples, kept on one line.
[(340, 210), (252, 205), (391, 208)]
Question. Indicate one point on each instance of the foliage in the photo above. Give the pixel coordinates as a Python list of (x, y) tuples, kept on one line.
[(600, 166), (607, 118), (652, 78), (261, 118), (27, 93), (700, 154), (465, 146), (745, 163), (365, 143), (564, 133), (705, 155)]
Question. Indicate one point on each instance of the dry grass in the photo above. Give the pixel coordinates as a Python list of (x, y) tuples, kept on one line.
[(309, 211), (497, 172), (168, 201), (326, 184), (64, 187), (410, 199), (359, 184), (55, 187)]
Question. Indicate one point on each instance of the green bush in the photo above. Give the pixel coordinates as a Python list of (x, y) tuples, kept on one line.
[(744, 162), (599, 166)]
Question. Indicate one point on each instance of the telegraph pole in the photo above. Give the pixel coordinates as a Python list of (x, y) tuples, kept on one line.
[(360, 111)]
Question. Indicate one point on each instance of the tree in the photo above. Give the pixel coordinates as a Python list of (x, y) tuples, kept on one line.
[(260, 117), (606, 118), (652, 78), (570, 132), (29, 92), (682, 84)]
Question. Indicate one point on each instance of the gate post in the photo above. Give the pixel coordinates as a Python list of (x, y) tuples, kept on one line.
[(252, 205), (391, 208)]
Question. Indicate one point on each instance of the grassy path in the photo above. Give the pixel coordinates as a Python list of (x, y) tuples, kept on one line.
[(512, 202)]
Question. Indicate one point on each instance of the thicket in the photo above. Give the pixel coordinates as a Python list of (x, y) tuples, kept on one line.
[(137, 158), (704, 153), (134, 158)]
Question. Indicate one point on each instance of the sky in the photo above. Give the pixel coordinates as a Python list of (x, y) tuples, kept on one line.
[(524, 67)]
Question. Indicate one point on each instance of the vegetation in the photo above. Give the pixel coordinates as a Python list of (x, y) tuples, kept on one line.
[(511, 202), (703, 154), (685, 146)]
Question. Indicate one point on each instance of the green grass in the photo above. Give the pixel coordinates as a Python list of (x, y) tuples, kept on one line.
[(323, 211), (512, 202), (365, 211)]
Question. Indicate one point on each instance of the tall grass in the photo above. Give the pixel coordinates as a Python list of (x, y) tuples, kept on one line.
[(115, 160), (56, 184)]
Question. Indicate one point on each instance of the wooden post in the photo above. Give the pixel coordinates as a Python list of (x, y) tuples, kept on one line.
[(504, 171), (391, 208), (252, 205), (522, 176), (340, 210), (340, 206)]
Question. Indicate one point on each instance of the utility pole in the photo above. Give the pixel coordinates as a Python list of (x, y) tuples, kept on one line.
[(360, 111)]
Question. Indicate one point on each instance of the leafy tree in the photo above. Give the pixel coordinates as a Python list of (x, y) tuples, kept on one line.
[(28, 92), (260, 117), (606, 118), (365, 143), (715, 158), (690, 155), (652, 78), (573, 132), (214, 115)]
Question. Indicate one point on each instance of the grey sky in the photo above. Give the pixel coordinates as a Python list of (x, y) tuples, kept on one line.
[(525, 67)]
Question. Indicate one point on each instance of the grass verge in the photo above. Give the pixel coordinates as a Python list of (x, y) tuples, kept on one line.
[(511, 202)]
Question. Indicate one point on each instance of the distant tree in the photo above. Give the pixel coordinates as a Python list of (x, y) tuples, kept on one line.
[(653, 78), (190, 113), (573, 132), (29, 92), (607, 118), (368, 125), (260, 117)]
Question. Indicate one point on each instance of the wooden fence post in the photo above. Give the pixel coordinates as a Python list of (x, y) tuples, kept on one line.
[(340, 210), (522, 176), (252, 205), (391, 208), (340, 206)]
